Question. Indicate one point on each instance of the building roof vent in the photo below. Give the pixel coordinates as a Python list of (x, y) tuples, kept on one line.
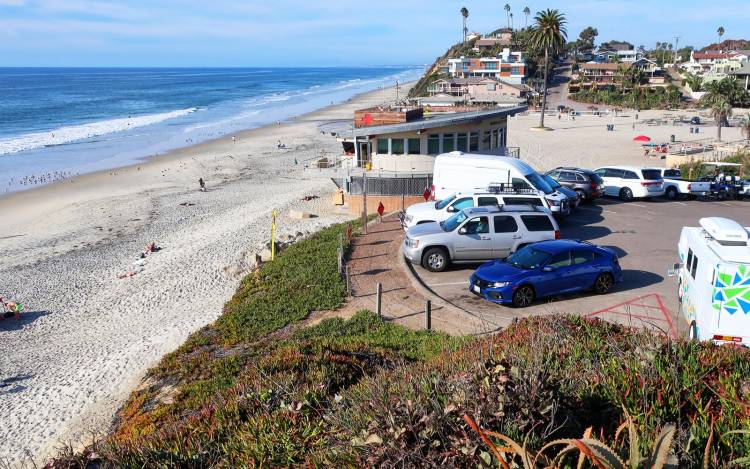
[(725, 231)]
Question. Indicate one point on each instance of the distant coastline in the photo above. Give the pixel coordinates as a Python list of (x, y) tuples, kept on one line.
[(35, 150)]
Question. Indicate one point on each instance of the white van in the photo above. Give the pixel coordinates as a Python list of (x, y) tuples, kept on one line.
[(714, 281), (631, 182), (457, 172)]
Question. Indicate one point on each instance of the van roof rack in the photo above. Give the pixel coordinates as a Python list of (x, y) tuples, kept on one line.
[(507, 188)]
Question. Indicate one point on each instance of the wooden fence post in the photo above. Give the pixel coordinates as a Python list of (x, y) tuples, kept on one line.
[(378, 297), (428, 315)]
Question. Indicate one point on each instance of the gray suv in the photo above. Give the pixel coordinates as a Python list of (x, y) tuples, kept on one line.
[(585, 182), (478, 234)]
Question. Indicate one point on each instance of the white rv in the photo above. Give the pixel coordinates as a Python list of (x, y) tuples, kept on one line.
[(714, 281)]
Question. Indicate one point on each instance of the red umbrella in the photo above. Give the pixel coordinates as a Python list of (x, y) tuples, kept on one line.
[(642, 138)]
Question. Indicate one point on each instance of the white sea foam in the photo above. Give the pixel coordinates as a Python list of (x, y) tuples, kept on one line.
[(69, 134)]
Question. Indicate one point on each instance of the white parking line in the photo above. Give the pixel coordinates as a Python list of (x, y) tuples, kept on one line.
[(636, 205), (728, 205), (681, 203), (608, 211), (447, 284)]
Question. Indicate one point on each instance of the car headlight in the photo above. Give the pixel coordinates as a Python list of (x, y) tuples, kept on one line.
[(412, 243), (499, 284), (554, 203)]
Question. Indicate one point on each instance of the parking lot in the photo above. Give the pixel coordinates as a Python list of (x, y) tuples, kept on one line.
[(645, 236)]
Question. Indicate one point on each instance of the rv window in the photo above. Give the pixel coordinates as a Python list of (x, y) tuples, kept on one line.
[(695, 266)]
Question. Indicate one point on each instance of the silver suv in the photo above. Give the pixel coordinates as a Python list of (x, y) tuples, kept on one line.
[(478, 234)]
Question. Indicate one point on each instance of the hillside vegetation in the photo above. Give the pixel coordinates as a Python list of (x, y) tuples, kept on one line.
[(256, 389)]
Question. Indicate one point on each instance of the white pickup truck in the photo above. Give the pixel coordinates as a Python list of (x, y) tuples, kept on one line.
[(676, 187)]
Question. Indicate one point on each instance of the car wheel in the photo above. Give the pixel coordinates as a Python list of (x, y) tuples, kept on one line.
[(435, 260), (581, 194), (692, 197), (693, 331), (523, 296), (603, 283), (626, 194), (672, 193)]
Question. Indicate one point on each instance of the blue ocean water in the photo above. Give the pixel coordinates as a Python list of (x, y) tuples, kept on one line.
[(77, 120)]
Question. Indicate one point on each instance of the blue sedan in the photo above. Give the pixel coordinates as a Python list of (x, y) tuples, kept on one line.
[(547, 268)]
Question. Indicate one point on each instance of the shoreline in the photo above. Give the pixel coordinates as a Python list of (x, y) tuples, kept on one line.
[(88, 335)]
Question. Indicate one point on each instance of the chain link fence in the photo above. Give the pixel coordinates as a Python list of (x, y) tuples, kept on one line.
[(413, 185)]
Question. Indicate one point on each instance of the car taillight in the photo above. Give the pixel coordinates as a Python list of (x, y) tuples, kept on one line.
[(728, 338), (557, 234), (650, 183), (690, 187), (594, 186)]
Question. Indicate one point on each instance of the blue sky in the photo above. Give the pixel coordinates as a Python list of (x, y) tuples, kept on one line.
[(324, 32)]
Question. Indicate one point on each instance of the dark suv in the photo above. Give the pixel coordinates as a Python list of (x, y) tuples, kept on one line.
[(588, 185)]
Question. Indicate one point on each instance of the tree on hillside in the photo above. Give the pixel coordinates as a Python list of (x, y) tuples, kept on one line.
[(507, 13), (718, 101), (527, 12), (548, 33), (511, 20), (720, 32), (587, 38), (465, 14)]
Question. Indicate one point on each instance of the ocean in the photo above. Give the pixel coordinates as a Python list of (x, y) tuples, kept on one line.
[(58, 122)]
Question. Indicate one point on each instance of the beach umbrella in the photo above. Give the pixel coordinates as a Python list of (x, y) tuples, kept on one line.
[(642, 138)]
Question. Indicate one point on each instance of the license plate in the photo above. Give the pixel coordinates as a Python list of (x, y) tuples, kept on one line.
[(476, 288)]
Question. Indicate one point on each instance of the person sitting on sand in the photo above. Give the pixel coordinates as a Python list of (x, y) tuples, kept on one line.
[(202, 183)]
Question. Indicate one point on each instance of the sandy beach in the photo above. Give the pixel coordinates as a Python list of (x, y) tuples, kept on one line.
[(88, 335)]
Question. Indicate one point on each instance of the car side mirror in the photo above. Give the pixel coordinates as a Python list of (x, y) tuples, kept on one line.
[(674, 270), (548, 268), (462, 230), (451, 209)]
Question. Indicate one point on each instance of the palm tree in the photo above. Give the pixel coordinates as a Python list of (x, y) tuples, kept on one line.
[(507, 13), (511, 20), (548, 33), (465, 14), (718, 103), (720, 32), (526, 12)]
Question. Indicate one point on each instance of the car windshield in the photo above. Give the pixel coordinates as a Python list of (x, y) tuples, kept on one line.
[(451, 223), (652, 174), (539, 183), (551, 181), (441, 204), (528, 258)]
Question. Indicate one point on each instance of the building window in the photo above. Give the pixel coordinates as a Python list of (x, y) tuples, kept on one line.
[(382, 146), (503, 138), (474, 141), (490, 65), (461, 142), (397, 146), (486, 140), (515, 71), (448, 142), (433, 144), (414, 146), (493, 142), (491, 86)]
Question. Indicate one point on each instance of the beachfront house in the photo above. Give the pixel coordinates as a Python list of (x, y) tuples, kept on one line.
[(743, 75), (394, 147), (714, 64), (477, 91), (599, 74), (628, 55), (508, 66)]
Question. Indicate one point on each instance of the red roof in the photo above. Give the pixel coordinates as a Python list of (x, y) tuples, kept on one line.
[(712, 55)]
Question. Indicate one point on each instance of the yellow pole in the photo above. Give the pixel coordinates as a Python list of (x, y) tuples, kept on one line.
[(273, 234)]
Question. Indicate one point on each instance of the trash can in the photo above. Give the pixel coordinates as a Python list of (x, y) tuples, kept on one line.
[(671, 138)]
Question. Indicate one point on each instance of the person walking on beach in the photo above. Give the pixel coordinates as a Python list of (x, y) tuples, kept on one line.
[(202, 183)]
